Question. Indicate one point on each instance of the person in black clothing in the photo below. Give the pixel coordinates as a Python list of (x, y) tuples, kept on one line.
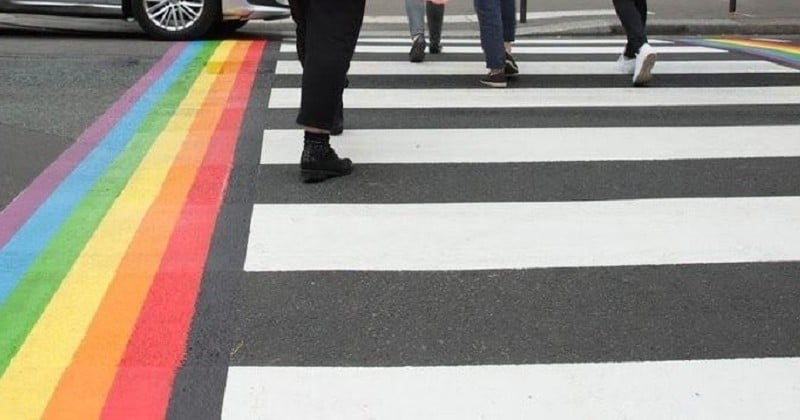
[(639, 57), (327, 32)]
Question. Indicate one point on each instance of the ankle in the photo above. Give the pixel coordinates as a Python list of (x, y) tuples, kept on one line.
[(316, 140)]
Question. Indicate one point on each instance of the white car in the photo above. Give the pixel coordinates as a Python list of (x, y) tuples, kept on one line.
[(162, 19)]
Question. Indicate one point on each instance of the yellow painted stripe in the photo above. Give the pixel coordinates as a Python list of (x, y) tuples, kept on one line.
[(34, 373)]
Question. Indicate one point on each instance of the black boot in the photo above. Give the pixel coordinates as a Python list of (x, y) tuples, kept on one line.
[(319, 161)]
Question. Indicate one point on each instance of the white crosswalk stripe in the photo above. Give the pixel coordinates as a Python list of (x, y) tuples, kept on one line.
[(657, 268), (547, 67), (569, 49), (540, 98), (597, 391), (546, 144)]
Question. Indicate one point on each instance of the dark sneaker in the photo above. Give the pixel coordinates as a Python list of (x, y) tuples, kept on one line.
[(320, 163), (435, 48), (417, 53), (497, 80), (512, 70)]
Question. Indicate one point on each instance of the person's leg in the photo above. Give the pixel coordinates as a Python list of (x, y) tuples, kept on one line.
[(298, 15), (332, 28), (631, 20), (415, 11), (331, 31), (509, 12), (490, 22), (632, 15), (435, 13), (338, 120), (641, 6)]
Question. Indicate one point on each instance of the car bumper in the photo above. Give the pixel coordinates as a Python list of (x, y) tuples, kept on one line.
[(255, 9)]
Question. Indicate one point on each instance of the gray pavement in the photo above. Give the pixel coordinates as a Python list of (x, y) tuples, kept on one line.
[(51, 89)]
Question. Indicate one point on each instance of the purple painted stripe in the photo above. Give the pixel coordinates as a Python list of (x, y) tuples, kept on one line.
[(26, 203)]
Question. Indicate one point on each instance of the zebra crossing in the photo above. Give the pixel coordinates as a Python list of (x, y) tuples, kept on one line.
[(570, 247)]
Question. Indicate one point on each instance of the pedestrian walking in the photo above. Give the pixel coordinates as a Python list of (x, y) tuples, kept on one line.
[(327, 32), (497, 22), (416, 11), (639, 57)]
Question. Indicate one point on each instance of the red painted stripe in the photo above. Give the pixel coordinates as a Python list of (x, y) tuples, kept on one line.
[(157, 346)]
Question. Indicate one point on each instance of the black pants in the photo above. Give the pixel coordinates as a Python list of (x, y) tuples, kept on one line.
[(633, 16), (327, 32)]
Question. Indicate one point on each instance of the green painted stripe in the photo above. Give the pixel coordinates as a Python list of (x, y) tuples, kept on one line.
[(26, 304)]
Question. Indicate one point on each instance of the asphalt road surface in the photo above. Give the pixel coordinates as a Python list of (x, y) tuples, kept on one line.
[(569, 247)]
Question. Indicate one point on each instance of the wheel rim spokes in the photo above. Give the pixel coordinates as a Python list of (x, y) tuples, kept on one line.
[(174, 15)]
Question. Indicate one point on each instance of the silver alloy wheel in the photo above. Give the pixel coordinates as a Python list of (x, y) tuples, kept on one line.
[(174, 15)]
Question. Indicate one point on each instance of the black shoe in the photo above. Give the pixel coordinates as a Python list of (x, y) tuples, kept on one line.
[(512, 70), (435, 48), (417, 53), (496, 80), (320, 163)]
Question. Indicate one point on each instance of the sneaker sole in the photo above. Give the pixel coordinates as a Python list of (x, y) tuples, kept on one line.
[(495, 84), (311, 176), (646, 72)]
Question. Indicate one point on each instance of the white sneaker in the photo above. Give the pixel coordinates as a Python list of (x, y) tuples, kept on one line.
[(626, 65), (645, 61)]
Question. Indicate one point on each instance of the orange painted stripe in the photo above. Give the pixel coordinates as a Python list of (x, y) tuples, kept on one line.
[(83, 388)]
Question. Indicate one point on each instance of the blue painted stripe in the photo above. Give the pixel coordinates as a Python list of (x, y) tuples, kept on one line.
[(17, 256)]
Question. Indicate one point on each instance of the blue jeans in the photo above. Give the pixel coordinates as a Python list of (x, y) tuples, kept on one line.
[(497, 20), (416, 10)]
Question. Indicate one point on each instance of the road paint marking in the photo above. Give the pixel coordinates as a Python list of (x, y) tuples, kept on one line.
[(545, 97), (85, 384), (484, 236), (545, 67), (724, 389), (544, 144), (571, 50), (57, 334), (538, 41)]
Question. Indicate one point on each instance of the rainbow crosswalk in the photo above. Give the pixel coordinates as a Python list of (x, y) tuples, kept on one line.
[(773, 50), (103, 254)]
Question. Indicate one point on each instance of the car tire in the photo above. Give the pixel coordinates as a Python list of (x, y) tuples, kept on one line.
[(176, 20)]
